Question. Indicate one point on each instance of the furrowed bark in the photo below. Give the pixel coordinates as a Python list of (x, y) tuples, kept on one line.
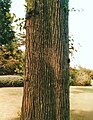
[(46, 85)]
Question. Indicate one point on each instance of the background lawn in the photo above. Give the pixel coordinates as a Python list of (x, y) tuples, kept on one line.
[(10, 103), (81, 103)]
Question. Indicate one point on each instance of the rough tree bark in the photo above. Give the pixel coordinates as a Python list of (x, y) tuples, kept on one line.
[(46, 85)]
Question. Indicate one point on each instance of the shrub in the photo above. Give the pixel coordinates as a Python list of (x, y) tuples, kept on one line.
[(80, 76), (82, 79), (72, 76), (11, 81)]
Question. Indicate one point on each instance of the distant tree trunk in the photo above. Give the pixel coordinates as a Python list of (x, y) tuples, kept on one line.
[(46, 85)]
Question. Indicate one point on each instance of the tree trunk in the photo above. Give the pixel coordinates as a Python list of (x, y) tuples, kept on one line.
[(46, 85)]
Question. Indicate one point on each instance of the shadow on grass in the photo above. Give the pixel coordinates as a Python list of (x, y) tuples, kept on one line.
[(81, 115)]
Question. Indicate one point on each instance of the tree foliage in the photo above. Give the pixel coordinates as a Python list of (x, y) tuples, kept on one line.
[(11, 57), (6, 31), (11, 60)]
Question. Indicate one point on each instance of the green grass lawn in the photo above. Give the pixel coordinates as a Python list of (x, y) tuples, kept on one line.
[(81, 103)]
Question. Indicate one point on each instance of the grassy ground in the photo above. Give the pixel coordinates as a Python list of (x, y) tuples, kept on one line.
[(10, 103), (81, 102)]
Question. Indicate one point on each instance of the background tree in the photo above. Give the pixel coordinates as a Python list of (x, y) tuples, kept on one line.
[(11, 60), (6, 31), (11, 57), (46, 85)]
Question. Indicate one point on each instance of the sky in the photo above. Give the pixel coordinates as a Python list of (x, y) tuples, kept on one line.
[(80, 28), (18, 8)]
